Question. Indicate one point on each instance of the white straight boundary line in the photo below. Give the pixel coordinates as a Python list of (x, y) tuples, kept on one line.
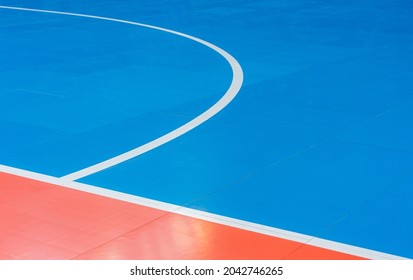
[(230, 94), (223, 220), (68, 180)]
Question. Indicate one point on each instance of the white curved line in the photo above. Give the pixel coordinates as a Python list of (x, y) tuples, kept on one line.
[(237, 79)]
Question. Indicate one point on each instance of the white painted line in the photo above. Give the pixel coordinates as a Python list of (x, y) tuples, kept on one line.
[(232, 91), (67, 181), (176, 209)]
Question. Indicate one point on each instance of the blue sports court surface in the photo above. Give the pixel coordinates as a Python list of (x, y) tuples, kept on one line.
[(292, 116)]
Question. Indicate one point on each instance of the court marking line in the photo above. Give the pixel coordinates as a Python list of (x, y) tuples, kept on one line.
[(230, 94), (205, 216), (68, 180)]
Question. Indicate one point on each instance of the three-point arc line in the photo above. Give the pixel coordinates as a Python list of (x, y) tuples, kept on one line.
[(230, 94)]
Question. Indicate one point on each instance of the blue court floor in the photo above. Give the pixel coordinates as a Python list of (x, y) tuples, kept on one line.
[(318, 141)]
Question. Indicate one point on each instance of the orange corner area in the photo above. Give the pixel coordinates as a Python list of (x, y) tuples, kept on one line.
[(45, 221)]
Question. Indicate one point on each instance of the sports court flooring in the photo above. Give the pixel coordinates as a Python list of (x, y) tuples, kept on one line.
[(203, 129)]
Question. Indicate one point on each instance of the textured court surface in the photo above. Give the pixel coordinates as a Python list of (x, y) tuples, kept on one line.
[(317, 142), (53, 222)]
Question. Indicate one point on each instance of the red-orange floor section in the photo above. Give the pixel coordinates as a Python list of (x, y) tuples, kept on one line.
[(43, 221)]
